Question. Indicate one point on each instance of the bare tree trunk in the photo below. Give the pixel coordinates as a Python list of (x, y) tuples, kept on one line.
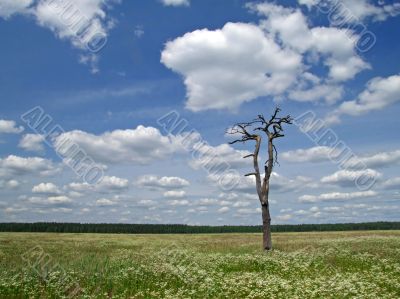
[(266, 218), (273, 129)]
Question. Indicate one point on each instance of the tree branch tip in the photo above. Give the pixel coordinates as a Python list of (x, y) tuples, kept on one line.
[(249, 174)]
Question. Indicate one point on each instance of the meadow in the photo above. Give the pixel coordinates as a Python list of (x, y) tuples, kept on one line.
[(362, 264)]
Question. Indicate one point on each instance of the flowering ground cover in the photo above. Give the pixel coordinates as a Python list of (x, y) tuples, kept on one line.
[(363, 264)]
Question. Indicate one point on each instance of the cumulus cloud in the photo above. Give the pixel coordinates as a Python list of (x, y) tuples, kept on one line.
[(226, 67), (32, 142), (284, 217), (276, 58), (278, 183), (10, 7), (379, 160), (393, 183), (46, 188), (79, 22), (313, 154), (146, 203), (140, 146), (283, 184), (9, 184), (336, 46), (112, 183), (176, 2), (347, 178), (241, 204), (178, 202), (84, 23), (165, 182), (324, 153), (59, 200), (15, 166), (248, 211), (175, 194), (10, 127), (350, 11), (326, 92), (336, 196), (313, 212), (379, 93), (107, 184), (222, 155), (104, 202), (223, 210)]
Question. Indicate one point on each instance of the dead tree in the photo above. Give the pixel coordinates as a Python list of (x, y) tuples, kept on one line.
[(272, 128)]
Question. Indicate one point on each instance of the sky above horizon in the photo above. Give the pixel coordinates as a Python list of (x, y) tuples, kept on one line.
[(115, 76)]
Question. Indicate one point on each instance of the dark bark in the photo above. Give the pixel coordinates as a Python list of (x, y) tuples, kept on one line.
[(266, 219)]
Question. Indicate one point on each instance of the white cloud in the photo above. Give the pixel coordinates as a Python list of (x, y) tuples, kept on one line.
[(147, 203), (346, 178), (277, 54), (15, 165), (278, 183), (212, 157), (107, 184), (32, 142), (155, 182), (223, 210), (175, 194), (206, 202), (351, 11), (46, 188), (336, 46), (328, 93), (112, 183), (337, 196), (10, 7), (59, 200), (10, 127), (313, 154), (332, 209), (176, 2), (382, 159), (9, 184), (178, 202), (91, 60), (80, 22), (141, 145), (325, 153), (84, 23), (393, 183), (241, 204), (104, 202), (226, 67), (248, 211), (378, 94), (284, 217)]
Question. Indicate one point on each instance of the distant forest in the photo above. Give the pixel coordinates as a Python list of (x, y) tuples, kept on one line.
[(185, 229)]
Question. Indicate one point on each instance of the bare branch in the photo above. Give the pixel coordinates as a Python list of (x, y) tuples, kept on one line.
[(241, 129), (273, 128), (251, 173)]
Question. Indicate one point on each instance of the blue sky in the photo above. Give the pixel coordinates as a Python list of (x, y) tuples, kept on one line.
[(214, 63)]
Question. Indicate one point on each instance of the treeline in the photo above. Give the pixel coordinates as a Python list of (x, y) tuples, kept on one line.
[(185, 229)]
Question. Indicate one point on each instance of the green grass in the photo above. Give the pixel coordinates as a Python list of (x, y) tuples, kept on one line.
[(362, 264)]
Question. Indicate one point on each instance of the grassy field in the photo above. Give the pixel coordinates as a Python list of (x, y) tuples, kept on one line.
[(362, 264)]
